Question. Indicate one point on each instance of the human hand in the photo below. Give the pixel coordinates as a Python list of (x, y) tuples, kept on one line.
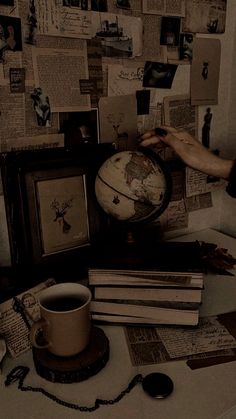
[(190, 150)]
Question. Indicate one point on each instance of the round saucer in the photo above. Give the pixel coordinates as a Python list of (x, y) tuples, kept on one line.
[(75, 368)]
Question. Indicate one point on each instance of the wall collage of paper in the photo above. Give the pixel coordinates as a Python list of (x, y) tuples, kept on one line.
[(75, 72)]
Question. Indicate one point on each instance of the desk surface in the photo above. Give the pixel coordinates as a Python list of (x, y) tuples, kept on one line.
[(206, 393)]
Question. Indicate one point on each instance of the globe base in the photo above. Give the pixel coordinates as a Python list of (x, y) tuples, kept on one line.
[(138, 234), (120, 253), (132, 251)]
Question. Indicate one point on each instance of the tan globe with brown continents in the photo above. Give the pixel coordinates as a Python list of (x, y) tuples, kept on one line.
[(133, 186)]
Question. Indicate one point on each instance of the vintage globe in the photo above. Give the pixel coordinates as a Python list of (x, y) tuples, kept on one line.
[(133, 186)]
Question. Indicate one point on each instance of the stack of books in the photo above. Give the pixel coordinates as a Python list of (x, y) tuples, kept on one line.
[(145, 297)]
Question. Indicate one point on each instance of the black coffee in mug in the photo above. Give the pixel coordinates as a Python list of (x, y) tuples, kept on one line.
[(63, 303), (65, 320)]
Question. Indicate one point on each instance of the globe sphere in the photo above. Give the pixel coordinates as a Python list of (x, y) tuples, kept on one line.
[(133, 186)]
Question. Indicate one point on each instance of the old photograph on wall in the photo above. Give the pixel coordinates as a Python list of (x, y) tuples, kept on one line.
[(10, 34), (79, 127), (205, 16), (158, 75), (121, 36)]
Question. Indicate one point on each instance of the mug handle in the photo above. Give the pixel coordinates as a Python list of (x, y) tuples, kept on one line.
[(37, 327)]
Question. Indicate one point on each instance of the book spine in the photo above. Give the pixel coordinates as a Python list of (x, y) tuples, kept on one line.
[(141, 293), (162, 315), (151, 279), (176, 305), (138, 321)]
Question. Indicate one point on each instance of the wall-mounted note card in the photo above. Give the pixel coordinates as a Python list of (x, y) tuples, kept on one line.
[(205, 71), (118, 121)]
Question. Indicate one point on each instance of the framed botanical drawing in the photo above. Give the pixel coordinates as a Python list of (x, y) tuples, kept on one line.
[(58, 209), (52, 212)]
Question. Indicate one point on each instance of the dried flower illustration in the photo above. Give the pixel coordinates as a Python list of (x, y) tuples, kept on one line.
[(60, 213)]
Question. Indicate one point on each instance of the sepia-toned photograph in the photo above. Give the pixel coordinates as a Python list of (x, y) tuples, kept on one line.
[(10, 33), (159, 75), (170, 29), (186, 46), (79, 127)]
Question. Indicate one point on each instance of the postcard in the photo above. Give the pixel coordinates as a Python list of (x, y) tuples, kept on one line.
[(205, 71), (125, 79), (118, 121), (10, 31)]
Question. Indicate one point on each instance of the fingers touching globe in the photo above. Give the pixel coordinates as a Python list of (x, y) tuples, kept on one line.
[(171, 137)]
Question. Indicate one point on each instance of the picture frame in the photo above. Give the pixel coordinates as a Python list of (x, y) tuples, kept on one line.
[(52, 212), (58, 209)]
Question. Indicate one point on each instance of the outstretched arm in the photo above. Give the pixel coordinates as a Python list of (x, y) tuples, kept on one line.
[(191, 151)]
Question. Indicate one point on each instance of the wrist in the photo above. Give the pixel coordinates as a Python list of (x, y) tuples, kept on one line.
[(214, 165), (226, 168)]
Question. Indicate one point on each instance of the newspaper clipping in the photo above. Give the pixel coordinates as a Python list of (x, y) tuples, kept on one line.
[(64, 90), (149, 345), (57, 20), (164, 7), (179, 113), (206, 16), (16, 317)]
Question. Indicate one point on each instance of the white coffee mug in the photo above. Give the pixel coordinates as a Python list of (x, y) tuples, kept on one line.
[(65, 319)]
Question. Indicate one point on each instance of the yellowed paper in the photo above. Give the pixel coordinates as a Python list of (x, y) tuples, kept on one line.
[(58, 73), (12, 326), (118, 121), (205, 70)]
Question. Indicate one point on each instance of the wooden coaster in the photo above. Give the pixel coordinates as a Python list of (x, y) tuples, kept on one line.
[(76, 368)]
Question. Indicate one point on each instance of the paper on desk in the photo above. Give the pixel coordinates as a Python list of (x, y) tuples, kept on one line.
[(209, 336), (12, 325), (155, 345)]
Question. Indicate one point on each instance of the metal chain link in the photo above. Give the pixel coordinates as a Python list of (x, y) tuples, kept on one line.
[(20, 373)]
